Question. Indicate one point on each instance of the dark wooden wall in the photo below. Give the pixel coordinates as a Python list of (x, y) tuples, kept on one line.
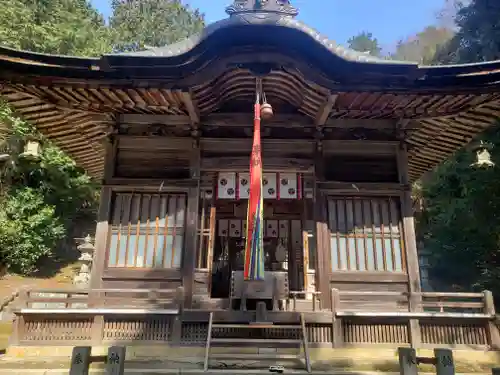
[(360, 217)]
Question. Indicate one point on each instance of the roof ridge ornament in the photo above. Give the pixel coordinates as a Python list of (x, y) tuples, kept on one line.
[(280, 7)]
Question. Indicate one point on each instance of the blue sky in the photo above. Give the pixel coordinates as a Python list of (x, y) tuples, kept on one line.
[(388, 20)]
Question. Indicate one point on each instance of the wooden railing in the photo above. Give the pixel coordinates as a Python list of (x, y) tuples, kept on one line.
[(418, 319), (415, 302), (101, 298), (106, 316), (59, 316)]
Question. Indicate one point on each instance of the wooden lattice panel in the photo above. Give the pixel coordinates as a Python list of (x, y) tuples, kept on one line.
[(137, 329), (194, 333), (454, 334), (57, 330), (375, 333)]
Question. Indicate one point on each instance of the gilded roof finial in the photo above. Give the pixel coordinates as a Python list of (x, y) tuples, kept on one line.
[(282, 7)]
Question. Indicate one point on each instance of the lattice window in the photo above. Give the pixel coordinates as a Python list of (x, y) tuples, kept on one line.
[(365, 234), (147, 230)]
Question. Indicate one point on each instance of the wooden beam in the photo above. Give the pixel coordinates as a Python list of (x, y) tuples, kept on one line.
[(134, 118), (325, 110), (245, 120), (154, 143), (386, 124), (241, 163), (361, 147), (158, 185), (354, 188)]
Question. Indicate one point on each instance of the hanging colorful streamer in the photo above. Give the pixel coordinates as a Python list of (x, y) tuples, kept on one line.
[(254, 246)]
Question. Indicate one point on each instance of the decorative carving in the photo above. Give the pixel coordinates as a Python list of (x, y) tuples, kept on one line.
[(281, 7)]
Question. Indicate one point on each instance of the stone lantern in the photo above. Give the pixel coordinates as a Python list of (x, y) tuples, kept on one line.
[(483, 156), (32, 149), (86, 258)]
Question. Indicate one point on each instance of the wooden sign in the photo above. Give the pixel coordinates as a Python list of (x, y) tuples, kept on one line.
[(115, 363), (407, 361), (80, 360), (444, 362)]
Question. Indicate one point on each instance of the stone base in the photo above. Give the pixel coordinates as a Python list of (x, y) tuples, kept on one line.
[(190, 359)]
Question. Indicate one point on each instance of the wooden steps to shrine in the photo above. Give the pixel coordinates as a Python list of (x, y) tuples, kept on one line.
[(301, 341)]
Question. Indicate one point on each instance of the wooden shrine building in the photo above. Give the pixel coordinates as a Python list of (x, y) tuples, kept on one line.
[(168, 131)]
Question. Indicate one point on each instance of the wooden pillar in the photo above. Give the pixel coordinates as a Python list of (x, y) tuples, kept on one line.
[(323, 270), (493, 331), (191, 234), (412, 263), (103, 216)]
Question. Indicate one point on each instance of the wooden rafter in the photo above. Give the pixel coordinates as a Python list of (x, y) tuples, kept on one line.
[(191, 108), (77, 117)]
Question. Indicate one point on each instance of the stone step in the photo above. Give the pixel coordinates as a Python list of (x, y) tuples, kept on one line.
[(146, 371), (159, 359), (17, 367)]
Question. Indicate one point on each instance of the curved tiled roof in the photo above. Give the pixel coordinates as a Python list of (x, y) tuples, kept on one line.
[(74, 101), (186, 45)]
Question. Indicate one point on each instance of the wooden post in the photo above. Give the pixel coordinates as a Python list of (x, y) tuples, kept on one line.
[(493, 332), (444, 362), (97, 329), (410, 241), (407, 361), (323, 267), (337, 332), (101, 240), (176, 332), (102, 228), (414, 304), (191, 241), (408, 223), (19, 324), (323, 270), (80, 360), (189, 258), (115, 364)]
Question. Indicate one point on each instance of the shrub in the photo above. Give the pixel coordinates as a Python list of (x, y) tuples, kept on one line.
[(29, 230)]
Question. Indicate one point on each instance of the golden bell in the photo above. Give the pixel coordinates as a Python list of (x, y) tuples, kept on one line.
[(266, 111)]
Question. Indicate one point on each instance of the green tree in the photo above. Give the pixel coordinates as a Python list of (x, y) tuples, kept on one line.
[(460, 226), (45, 197), (66, 27), (365, 42), (478, 35), (423, 46), (41, 200), (29, 230), (154, 23)]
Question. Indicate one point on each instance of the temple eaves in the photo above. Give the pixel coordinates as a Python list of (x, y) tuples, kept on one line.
[(281, 7)]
